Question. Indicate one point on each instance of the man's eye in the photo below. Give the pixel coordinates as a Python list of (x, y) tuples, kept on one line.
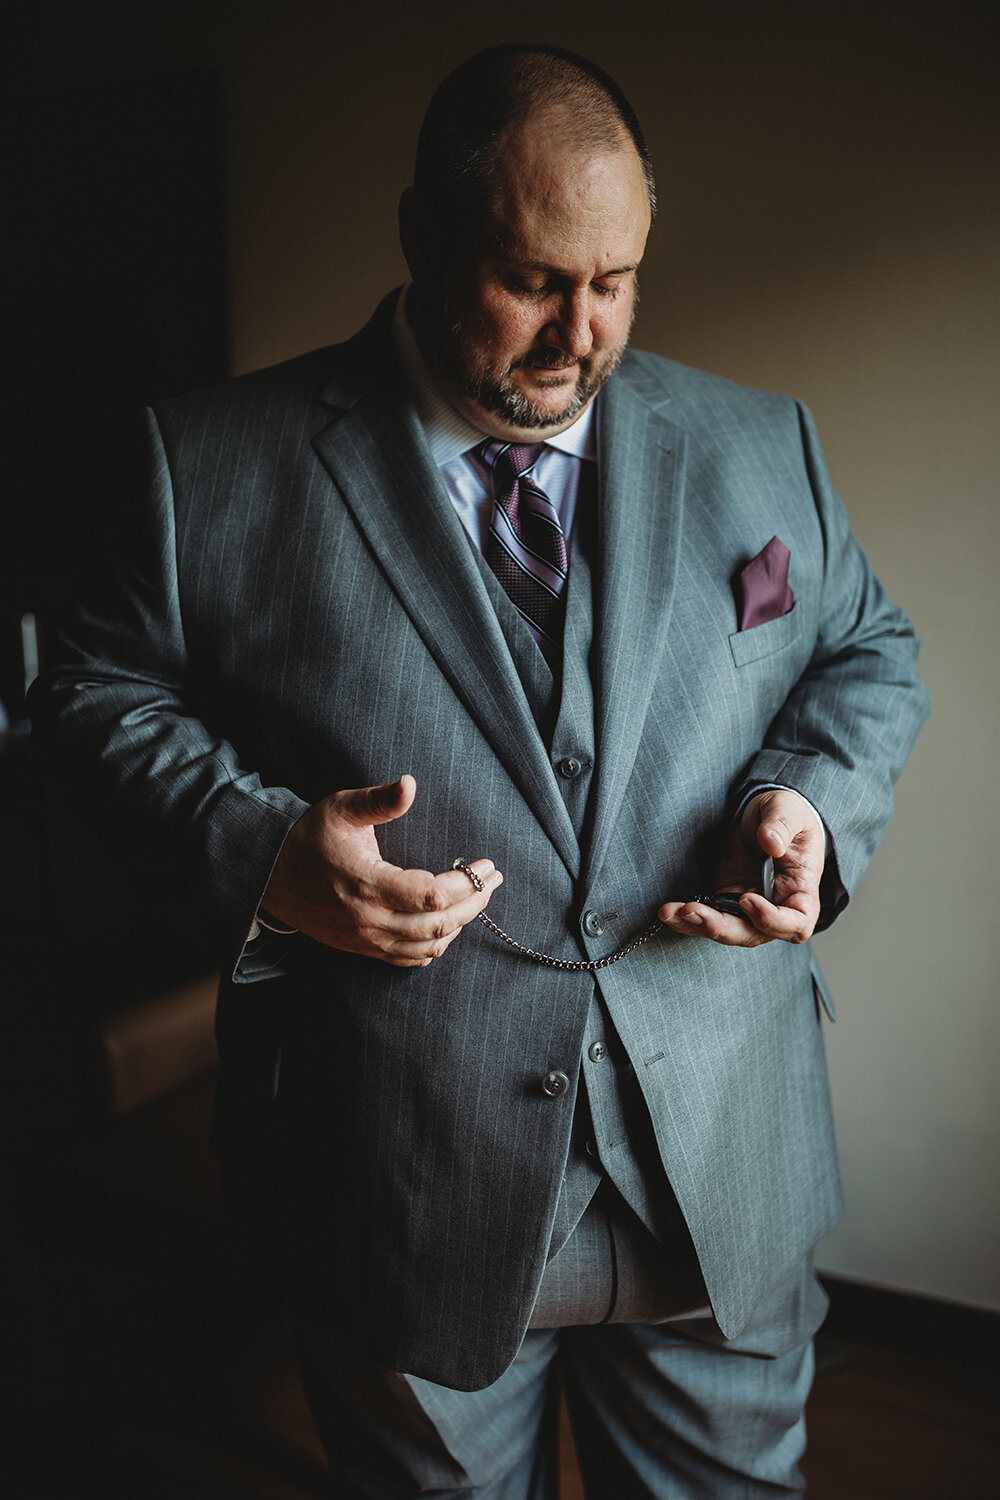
[(534, 289), (607, 291)]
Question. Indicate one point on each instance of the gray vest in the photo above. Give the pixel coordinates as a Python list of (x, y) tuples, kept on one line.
[(612, 1133)]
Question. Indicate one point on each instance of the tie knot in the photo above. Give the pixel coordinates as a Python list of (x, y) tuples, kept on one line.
[(511, 460)]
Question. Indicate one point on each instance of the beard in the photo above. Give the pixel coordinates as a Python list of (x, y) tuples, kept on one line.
[(492, 387)]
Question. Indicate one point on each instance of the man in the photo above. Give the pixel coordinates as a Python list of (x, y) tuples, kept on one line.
[(620, 669)]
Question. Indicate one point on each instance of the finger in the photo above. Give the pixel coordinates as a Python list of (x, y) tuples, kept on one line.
[(416, 891), (430, 926), (794, 921), (694, 919), (389, 947), (774, 837), (369, 806), (413, 944), (784, 841), (797, 877), (458, 883), (778, 819), (422, 951)]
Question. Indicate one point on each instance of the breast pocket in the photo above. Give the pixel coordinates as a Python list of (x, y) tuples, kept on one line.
[(765, 640)]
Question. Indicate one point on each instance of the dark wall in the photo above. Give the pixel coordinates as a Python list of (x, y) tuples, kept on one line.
[(117, 275), (115, 266)]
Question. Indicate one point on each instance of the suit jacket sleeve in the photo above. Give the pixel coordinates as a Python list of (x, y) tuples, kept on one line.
[(848, 725), (119, 726)]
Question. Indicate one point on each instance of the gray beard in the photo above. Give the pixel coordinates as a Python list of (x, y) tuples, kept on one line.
[(494, 390), (502, 399)]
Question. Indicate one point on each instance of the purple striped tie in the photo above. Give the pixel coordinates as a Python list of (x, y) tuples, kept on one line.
[(526, 548)]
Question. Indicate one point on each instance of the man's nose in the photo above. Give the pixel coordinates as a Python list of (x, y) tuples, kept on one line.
[(570, 330)]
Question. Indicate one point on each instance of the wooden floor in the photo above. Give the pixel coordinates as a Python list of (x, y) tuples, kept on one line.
[(885, 1426), (888, 1426)]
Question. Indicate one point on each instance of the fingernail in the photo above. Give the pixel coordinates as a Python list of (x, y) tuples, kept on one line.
[(695, 919)]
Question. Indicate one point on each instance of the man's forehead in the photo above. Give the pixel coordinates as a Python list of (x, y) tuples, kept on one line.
[(542, 237), (513, 256), (538, 169), (565, 131), (545, 185)]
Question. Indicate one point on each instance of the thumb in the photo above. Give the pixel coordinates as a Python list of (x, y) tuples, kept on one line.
[(773, 836), (765, 828), (369, 805)]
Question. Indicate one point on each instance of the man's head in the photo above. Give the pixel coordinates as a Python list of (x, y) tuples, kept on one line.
[(524, 229)]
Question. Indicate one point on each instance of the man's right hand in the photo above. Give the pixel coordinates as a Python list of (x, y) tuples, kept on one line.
[(331, 882)]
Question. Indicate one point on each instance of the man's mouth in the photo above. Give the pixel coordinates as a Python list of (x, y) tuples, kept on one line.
[(553, 364)]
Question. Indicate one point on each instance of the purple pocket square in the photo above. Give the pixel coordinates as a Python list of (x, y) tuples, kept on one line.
[(761, 589)]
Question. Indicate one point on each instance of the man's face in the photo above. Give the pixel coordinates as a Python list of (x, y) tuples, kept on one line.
[(527, 330)]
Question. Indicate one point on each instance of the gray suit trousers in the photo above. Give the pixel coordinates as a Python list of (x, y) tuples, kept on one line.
[(663, 1406)]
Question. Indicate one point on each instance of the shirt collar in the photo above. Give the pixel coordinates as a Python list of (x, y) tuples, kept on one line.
[(448, 433)]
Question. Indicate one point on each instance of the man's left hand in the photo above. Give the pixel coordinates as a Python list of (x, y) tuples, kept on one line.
[(782, 824)]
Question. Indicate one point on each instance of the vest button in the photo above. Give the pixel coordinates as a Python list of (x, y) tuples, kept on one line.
[(597, 1052), (570, 767), (554, 1084), (592, 924)]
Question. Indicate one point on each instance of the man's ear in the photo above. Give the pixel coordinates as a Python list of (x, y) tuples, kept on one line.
[(416, 235)]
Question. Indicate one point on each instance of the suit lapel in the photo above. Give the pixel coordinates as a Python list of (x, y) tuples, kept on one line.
[(640, 514), (376, 454)]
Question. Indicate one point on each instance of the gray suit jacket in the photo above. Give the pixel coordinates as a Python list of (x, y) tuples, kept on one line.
[(302, 611)]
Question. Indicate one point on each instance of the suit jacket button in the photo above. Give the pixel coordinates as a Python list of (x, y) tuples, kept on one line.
[(554, 1084), (570, 767), (592, 924), (597, 1052)]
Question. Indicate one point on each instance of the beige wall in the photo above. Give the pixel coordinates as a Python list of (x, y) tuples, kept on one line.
[(829, 228)]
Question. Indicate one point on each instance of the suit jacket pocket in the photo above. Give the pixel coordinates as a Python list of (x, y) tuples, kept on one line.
[(765, 640)]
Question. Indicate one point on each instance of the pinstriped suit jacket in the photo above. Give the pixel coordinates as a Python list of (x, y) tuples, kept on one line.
[(300, 612)]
